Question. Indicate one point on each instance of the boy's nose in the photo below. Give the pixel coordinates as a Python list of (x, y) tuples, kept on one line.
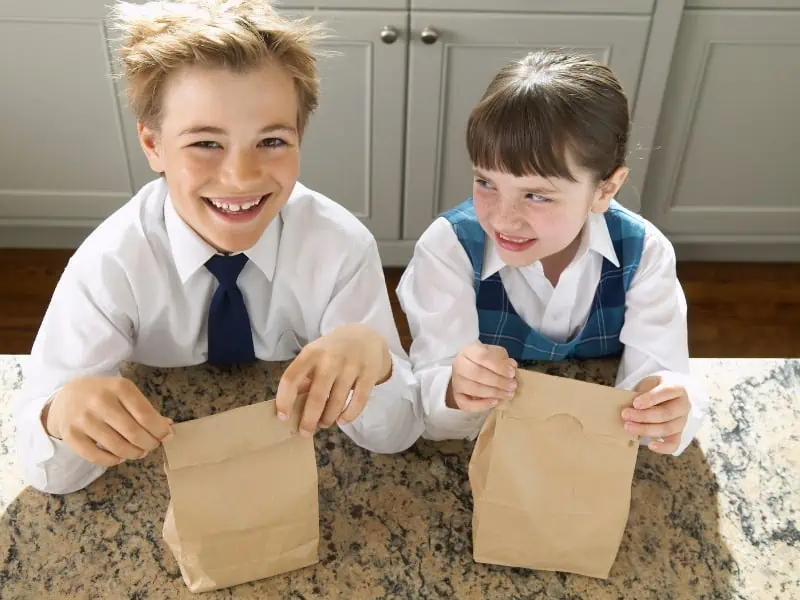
[(243, 169)]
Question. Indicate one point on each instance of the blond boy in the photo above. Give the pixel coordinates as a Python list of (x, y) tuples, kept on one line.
[(225, 258)]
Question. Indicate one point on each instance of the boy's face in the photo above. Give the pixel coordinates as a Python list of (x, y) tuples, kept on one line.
[(229, 149), (531, 218)]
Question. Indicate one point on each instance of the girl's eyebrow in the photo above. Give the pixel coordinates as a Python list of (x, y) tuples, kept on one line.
[(530, 190)]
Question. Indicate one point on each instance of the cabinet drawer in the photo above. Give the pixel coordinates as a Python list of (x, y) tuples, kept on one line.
[(765, 4), (336, 4), (539, 6)]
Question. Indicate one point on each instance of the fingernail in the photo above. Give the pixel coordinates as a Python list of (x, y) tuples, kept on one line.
[(493, 403), (512, 372), (143, 454), (653, 446), (629, 427), (513, 362), (168, 437), (170, 422), (627, 415), (282, 416), (512, 385), (509, 394), (305, 433)]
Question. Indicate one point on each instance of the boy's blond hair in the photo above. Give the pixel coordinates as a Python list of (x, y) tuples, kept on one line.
[(160, 37)]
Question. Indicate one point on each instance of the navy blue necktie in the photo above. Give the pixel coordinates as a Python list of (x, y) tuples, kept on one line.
[(230, 339)]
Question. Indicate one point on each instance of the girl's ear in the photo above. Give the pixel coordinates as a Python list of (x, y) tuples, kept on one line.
[(607, 189)]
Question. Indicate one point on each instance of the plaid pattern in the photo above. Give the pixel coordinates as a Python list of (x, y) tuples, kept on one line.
[(499, 323)]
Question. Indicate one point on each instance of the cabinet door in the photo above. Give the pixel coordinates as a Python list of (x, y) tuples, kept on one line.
[(726, 159), (67, 158), (448, 77), (353, 147)]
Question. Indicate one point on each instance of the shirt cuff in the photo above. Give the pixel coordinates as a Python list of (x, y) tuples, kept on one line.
[(441, 421), (400, 381)]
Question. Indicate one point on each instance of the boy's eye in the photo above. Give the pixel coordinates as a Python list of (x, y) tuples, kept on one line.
[(273, 142), (483, 183), (206, 144)]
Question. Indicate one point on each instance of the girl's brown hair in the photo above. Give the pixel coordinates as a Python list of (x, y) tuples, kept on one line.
[(160, 37), (539, 109)]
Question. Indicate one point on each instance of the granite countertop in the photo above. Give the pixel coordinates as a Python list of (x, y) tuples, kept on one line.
[(718, 522)]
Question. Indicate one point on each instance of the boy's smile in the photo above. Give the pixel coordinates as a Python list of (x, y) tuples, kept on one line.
[(229, 148)]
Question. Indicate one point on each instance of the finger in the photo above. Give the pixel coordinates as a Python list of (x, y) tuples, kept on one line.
[(487, 378), (656, 430), (494, 358), (321, 385), (304, 386), (659, 394), (111, 440), (661, 413), (472, 404), (140, 409), (117, 416), (361, 391), (462, 385), (338, 396), (86, 448), (290, 383), (667, 446)]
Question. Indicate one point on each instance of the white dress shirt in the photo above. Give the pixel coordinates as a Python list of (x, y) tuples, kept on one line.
[(137, 290), (437, 294)]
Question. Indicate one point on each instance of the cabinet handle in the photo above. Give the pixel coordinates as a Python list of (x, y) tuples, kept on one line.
[(429, 35), (389, 34)]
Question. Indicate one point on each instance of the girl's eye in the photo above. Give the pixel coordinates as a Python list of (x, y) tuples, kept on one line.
[(206, 144), (537, 198), (273, 143)]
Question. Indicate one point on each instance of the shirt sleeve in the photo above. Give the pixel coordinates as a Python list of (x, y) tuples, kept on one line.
[(654, 335), (86, 330), (437, 295), (391, 420)]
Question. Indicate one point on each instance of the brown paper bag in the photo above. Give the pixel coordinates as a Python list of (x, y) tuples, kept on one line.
[(244, 497), (551, 477)]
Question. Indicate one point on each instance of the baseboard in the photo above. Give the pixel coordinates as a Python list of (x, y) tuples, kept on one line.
[(397, 253)]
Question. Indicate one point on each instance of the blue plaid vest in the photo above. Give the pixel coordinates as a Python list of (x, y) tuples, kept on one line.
[(499, 323)]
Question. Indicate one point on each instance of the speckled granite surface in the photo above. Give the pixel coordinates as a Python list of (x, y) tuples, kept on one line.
[(721, 521)]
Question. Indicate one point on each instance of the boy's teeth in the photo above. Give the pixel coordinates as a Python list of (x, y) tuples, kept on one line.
[(235, 207)]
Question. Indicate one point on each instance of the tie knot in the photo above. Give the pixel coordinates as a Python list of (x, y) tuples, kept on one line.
[(226, 268)]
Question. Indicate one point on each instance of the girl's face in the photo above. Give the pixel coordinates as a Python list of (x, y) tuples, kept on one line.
[(531, 218)]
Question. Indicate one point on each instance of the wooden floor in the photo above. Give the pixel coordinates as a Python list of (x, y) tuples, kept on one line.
[(735, 310)]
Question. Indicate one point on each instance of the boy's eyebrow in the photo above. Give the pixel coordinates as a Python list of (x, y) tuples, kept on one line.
[(195, 129)]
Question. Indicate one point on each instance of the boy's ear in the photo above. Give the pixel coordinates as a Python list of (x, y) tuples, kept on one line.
[(151, 146), (607, 189)]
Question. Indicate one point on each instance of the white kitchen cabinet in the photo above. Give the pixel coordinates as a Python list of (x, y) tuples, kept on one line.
[(388, 139), (724, 180)]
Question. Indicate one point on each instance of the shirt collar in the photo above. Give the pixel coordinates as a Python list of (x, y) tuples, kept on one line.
[(190, 251), (594, 236)]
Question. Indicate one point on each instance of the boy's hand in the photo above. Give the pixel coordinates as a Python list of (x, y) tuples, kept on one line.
[(351, 357), (105, 420), (660, 412), (482, 376)]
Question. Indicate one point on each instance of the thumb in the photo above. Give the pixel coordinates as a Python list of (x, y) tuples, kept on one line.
[(648, 383)]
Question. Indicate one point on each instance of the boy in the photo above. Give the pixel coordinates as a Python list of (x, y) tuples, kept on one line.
[(542, 264), (226, 258)]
